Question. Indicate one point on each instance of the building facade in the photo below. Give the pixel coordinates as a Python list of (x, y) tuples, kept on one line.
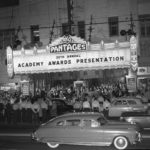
[(38, 22)]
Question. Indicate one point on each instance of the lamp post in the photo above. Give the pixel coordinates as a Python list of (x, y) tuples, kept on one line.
[(130, 31)]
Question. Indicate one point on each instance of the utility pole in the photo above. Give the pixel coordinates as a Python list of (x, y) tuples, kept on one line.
[(70, 15), (52, 32), (90, 28), (131, 32), (131, 23)]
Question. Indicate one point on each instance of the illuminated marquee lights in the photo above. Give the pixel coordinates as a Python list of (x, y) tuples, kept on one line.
[(68, 47)]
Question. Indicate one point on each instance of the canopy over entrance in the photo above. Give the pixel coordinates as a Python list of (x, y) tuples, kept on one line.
[(69, 53)]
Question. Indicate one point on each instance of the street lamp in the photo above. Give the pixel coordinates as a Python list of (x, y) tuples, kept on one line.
[(127, 33)]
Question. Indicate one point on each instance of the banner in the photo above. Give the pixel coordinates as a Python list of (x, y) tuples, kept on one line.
[(72, 61)]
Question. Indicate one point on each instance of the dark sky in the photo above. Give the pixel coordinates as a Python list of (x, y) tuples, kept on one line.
[(7, 3)]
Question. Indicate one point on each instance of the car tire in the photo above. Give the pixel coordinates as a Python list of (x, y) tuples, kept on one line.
[(120, 142), (52, 145)]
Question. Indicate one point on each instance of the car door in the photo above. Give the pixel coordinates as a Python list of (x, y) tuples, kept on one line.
[(72, 131), (91, 132), (118, 107), (56, 132)]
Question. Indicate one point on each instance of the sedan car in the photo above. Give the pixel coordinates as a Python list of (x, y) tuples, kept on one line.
[(87, 129), (62, 106), (125, 104), (142, 119)]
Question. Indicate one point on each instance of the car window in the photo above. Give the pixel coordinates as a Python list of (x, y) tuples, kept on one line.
[(59, 103), (73, 122), (124, 102), (89, 123), (132, 102), (60, 123), (118, 102)]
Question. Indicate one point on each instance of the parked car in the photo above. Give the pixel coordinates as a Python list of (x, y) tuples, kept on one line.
[(62, 106), (125, 104), (140, 118), (87, 129)]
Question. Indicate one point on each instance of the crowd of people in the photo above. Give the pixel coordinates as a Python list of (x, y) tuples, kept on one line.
[(17, 108)]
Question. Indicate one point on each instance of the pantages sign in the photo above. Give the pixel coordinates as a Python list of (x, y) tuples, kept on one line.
[(67, 43)]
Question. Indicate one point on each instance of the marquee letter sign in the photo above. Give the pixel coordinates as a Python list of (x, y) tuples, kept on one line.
[(67, 44)]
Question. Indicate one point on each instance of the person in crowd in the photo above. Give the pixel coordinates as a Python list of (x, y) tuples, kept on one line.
[(28, 110), (35, 110), (23, 109), (77, 106), (15, 108), (147, 94), (54, 109), (8, 111), (106, 106), (43, 109), (49, 105), (95, 105), (2, 110), (101, 99), (86, 107)]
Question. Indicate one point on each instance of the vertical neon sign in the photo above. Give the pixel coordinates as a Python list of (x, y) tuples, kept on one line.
[(10, 68)]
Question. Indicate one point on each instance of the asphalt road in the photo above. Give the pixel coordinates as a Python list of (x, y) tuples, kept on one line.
[(18, 141), (19, 138)]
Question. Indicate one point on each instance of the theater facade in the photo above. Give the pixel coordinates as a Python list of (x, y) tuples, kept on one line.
[(70, 58)]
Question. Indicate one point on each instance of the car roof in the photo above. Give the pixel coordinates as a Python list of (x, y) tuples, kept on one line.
[(127, 98), (80, 115)]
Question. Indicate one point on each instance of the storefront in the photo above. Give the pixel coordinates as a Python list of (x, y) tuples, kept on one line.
[(70, 58), (143, 78)]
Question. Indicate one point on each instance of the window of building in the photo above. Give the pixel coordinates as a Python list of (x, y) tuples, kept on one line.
[(113, 26), (7, 38), (65, 28), (144, 25), (35, 35), (81, 29)]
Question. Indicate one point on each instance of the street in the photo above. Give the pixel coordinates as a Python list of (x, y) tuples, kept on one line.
[(24, 142)]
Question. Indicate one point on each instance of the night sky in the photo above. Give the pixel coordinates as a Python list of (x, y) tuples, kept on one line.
[(7, 3)]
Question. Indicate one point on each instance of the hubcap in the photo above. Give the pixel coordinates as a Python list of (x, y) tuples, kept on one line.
[(121, 142)]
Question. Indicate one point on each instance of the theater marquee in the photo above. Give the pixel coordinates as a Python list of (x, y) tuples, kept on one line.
[(69, 53), (72, 61)]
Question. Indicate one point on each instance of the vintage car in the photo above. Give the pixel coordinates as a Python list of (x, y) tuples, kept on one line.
[(87, 129), (125, 104), (140, 118)]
